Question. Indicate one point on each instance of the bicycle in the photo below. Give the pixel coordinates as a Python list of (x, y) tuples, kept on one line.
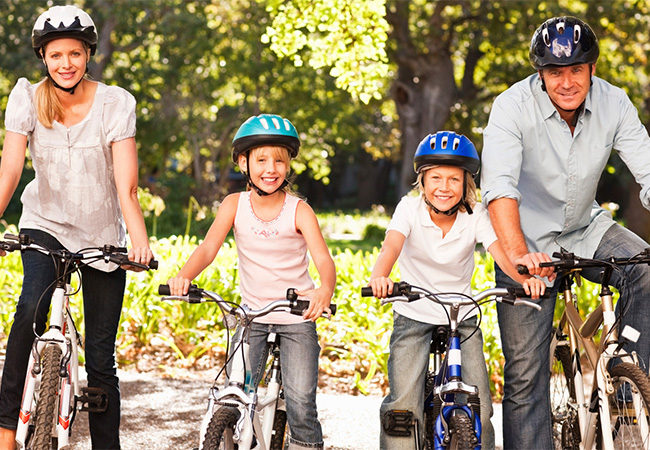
[(451, 407), (238, 416), (615, 413), (52, 378)]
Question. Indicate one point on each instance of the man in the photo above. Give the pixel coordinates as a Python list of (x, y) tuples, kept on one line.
[(547, 142)]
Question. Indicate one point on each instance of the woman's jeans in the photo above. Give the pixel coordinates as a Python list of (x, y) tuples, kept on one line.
[(526, 336), (299, 351), (103, 294), (407, 367)]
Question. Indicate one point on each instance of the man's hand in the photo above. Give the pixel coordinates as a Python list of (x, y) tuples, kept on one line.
[(532, 260)]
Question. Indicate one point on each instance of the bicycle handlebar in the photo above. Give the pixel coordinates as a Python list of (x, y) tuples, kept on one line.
[(569, 261), (108, 253), (403, 291), (196, 294)]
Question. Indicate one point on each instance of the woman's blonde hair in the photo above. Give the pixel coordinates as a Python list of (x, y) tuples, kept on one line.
[(471, 197), (48, 105)]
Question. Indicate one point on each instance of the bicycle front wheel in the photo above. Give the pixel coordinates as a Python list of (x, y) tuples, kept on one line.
[(628, 405), (566, 431), (47, 404), (461, 433), (218, 436), (279, 430)]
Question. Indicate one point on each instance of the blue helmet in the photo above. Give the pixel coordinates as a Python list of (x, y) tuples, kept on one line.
[(446, 148), (265, 129), (563, 41)]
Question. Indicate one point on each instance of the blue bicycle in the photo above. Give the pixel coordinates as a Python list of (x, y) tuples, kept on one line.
[(451, 407)]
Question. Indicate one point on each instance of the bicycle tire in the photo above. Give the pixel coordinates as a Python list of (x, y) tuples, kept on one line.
[(47, 404), (220, 428), (279, 430), (461, 433), (566, 430), (629, 406)]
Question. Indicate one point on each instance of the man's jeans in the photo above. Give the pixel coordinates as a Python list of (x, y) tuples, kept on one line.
[(102, 296), (299, 351), (408, 364), (526, 335)]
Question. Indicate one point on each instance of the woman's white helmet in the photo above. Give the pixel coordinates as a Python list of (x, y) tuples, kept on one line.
[(63, 22)]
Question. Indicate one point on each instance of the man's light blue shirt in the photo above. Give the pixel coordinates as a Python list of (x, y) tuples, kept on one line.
[(530, 155)]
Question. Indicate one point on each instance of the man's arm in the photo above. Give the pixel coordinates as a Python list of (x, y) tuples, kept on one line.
[(504, 215)]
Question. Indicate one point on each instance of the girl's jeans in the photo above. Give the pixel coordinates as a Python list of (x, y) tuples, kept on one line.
[(299, 351), (103, 294), (526, 336), (407, 368)]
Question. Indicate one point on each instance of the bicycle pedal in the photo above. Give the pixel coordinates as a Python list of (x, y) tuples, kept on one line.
[(93, 399), (398, 423)]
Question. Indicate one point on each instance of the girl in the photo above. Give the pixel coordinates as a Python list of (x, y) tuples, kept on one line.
[(81, 140), (434, 235), (273, 230)]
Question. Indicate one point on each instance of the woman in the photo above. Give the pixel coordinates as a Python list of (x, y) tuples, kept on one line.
[(81, 141)]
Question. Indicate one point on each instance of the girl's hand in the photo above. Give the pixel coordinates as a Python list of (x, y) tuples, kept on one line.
[(319, 302), (141, 255), (534, 287), (178, 285), (381, 287)]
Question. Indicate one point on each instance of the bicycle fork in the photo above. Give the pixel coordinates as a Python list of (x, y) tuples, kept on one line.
[(55, 335)]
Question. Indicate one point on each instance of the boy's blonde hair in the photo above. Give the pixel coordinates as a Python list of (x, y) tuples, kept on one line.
[(471, 197)]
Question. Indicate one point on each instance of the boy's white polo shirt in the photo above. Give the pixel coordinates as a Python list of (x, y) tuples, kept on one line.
[(436, 263)]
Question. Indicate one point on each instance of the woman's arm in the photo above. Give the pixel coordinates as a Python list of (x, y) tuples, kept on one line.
[(125, 162), (11, 168), (307, 224), (205, 253)]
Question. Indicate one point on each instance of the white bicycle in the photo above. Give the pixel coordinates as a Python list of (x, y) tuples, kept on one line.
[(52, 393), (238, 416)]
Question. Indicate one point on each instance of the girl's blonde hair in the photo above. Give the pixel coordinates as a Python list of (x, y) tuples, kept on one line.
[(471, 197), (48, 105)]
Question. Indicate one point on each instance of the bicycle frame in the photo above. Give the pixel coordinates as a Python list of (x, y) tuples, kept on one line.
[(580, 335)]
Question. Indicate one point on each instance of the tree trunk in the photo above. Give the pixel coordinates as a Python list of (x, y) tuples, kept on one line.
[(423, 100)]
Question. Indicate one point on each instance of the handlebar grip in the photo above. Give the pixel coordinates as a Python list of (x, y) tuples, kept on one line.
[(153, 264), (163, 290), (401, 288), (523, 270), (366, 291), (302, 305), (521, 293)]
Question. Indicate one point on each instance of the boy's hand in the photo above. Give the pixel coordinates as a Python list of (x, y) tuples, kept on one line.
[(381, 287), (534, 287)]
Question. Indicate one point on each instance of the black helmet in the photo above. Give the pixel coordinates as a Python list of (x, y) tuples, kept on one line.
[(563, 41), (265, 129), (63, 22), (446, 148)]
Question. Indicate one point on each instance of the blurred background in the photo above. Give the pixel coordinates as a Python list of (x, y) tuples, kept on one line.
[(362, 80)]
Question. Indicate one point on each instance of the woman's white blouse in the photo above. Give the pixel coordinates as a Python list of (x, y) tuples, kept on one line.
[(73, 196)]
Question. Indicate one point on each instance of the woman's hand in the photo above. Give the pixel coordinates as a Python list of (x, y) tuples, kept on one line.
[(140, 255), (381, 287)]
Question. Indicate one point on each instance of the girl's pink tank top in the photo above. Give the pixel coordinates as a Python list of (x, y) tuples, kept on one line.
[(272, 257)]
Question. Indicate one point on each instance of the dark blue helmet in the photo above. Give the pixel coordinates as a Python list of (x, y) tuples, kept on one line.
[(446, 148), (563, 41), (265, 129)]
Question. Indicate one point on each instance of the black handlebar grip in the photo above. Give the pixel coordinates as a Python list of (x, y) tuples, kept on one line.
[(163, 289), (153, 264), (523, 270), (366, 291)]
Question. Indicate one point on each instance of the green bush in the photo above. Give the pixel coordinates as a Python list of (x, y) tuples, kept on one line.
[(159, 335)]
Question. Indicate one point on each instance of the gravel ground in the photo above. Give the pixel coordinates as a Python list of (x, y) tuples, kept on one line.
[(165, 413)]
